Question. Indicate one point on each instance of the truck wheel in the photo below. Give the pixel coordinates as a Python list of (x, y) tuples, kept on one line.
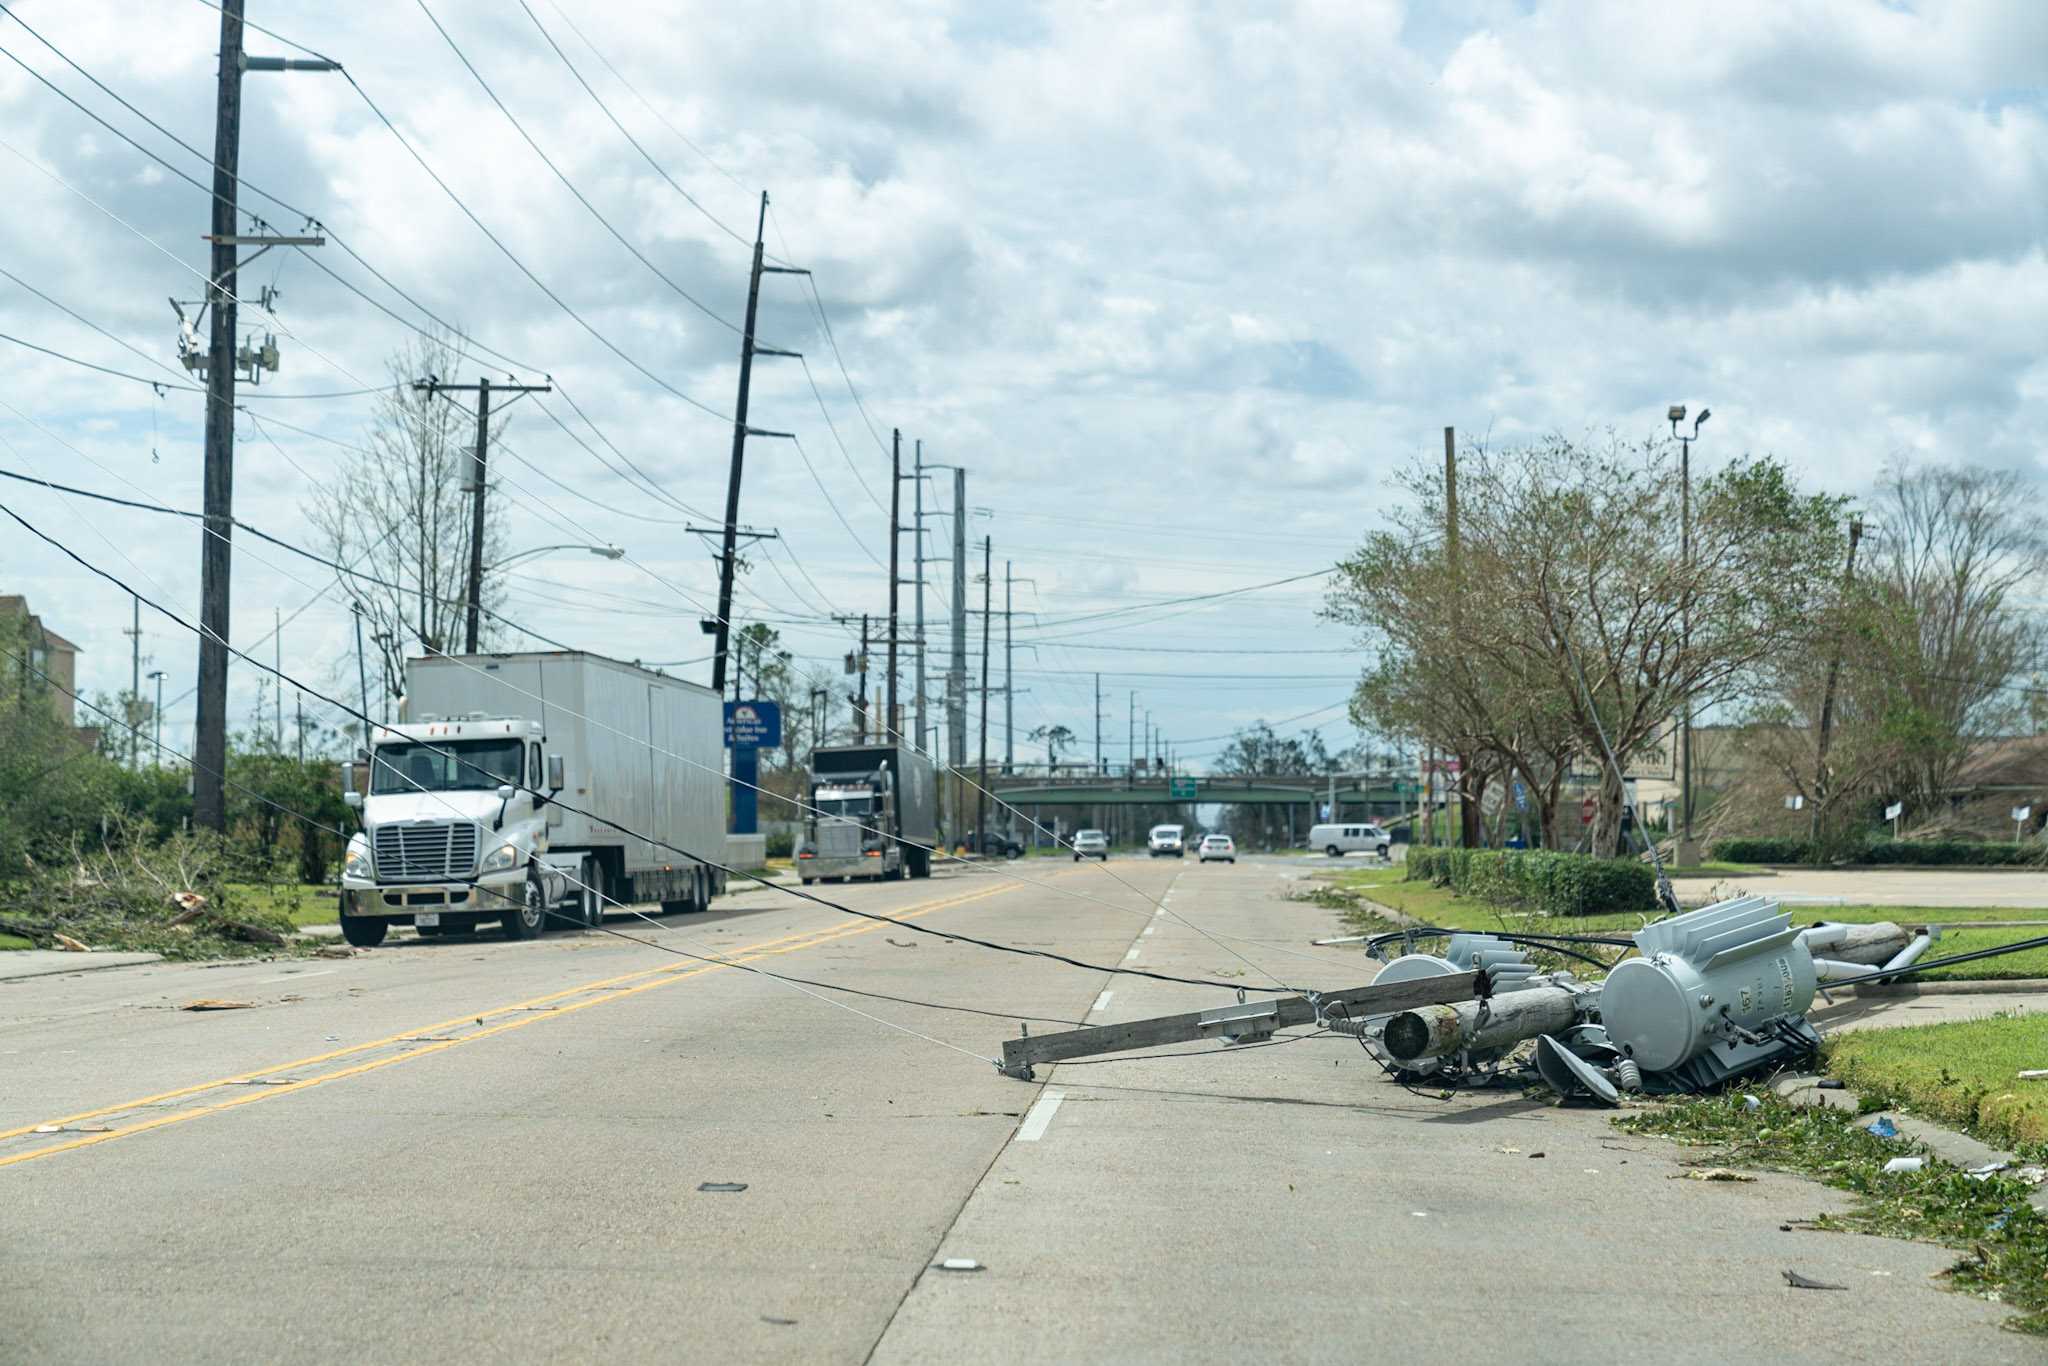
[(593, 904), (1333, 851), (525, 920), (364, 932)]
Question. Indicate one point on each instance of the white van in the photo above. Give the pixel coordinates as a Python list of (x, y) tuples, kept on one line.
[(1168, 841), (1339, 840)]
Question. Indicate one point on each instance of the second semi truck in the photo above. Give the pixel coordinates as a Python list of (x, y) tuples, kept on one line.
[(874, 814)]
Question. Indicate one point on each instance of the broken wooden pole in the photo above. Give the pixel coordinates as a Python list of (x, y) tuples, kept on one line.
[(1502, 1021)]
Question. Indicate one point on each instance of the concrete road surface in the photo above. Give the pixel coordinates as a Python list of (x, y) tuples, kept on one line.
[(474, 1149)]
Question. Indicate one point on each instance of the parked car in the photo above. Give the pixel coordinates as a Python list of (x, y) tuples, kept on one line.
[(1091, 844), (1217, 848), (996, 844), (1339, 840), (1168, 841)]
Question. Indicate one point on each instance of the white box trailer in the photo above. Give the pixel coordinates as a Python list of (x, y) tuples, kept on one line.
[(640, 749)]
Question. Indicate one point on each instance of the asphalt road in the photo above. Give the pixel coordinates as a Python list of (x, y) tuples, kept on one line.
[(480, 1149)]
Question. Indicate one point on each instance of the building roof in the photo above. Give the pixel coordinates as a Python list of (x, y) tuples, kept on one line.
[(13, 604)]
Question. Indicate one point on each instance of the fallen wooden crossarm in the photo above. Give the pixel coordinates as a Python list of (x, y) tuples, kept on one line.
[(1238, 1023)]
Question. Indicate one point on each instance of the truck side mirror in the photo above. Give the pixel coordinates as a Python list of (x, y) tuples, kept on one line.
[(348, 775), (352, 799), (556, 781)]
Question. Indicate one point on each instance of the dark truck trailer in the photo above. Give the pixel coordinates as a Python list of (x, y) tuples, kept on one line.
[(874, 814)]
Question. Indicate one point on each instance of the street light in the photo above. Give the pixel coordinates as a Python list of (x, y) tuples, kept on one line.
[(1688, 849), (608, 552), (158, 760)]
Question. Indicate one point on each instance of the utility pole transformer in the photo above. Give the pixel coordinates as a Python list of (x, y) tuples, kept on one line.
[(722, 627), (473, 594), (210, 738)]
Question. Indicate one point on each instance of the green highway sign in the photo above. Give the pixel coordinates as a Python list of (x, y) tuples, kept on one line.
[(1181, 789)]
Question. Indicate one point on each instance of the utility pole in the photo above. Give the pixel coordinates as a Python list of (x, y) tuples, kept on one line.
[(956, 675), (362, 675), (1098, 725), (1131, 743), (134, 634), (277, 669), (1469, 835), (722, 627), (858, 698), (981, 799), (472, 606), (157, 717), (1009, 684), (1688, 853), (917, 593), (892, 717), (1827, 697), (210, 738)]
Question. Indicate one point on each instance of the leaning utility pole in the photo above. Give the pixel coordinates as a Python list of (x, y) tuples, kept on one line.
[(210, 738), (473, 596), (891, 718), (722, 627), (981, 800)]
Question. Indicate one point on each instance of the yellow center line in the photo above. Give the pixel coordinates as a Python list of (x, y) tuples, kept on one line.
[(789, 943)]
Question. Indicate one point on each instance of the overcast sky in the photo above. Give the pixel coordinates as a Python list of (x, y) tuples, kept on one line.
[(1181, 287)]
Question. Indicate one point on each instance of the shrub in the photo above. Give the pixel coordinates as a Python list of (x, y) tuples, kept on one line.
[(1917, 853), (781, 844), (1543, 881)]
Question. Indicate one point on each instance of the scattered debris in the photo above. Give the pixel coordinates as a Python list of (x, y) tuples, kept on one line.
[(779, 1323), (1711, 1174), (722, 1187), (1750, 1102), (1830, 1084), (1799, 1282), (1534, 1156), (68, 944), (334, 951), (1905, 1164), (959, 1264), (2034, 1074), (1508, 1150), (214, 1003), (1883, 1127), (901, 944)]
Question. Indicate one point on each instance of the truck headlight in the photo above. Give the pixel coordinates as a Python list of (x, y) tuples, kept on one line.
[(503, 857), (356, 862)]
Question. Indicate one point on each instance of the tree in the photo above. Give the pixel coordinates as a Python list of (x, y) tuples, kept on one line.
[(1576, 613), (1054, 737), (1943, 635), (399, 511), (1260, 753)]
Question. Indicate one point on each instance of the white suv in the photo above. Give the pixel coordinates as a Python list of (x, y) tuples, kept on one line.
[(1168, 841), (1091, 844)]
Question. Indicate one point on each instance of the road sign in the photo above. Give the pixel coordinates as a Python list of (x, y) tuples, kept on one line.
[(753, 725), (1892, 812), (1521, 797), (1181, 789)]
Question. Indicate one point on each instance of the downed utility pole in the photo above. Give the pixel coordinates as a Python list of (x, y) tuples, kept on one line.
[(1245, 1022)]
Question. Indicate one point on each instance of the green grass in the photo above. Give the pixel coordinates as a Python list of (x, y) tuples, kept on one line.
[(1961, 1073), (2003, 1238), (1719, 870), (1439, 906), (14, 941), (305, 902)]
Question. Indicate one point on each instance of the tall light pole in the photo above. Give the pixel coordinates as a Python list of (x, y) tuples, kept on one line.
[(1688, 847)]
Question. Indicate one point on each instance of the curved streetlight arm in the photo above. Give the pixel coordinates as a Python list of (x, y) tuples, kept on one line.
[(608, 552)]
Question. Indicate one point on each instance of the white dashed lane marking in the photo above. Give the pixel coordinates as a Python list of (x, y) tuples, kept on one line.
[(1101, 1002), (1040, 1117)]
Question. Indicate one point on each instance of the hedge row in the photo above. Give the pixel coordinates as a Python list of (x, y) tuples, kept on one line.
[(1541, 881), (1925, 853)]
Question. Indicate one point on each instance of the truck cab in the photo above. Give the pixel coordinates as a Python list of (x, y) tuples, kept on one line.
[(844, 836), (455, 830)]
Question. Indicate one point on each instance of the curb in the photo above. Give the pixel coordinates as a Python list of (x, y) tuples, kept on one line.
[(2014, 986), (1950, 1146), (66, 969)]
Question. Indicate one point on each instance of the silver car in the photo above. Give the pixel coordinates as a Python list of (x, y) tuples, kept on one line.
[(1091, 844)]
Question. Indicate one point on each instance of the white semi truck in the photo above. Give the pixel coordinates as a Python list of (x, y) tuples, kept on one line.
[(501, 793)]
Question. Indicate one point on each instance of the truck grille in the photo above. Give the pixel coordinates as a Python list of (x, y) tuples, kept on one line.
[(405, 852), (838, 839)]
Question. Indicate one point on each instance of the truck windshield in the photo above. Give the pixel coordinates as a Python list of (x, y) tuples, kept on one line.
[(845, 806), (451, 766)]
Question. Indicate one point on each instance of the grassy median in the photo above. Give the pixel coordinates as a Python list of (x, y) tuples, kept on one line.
[(1964, 1073)]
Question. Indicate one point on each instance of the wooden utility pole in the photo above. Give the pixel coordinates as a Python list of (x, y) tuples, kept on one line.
[(722, 626), (892, 720), (981, 799), (134, 708), (1827, 696), (210, 738), (1469, 836), (478, 486)]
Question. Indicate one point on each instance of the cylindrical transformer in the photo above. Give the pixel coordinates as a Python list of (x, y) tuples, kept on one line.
[(1706, 977)]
